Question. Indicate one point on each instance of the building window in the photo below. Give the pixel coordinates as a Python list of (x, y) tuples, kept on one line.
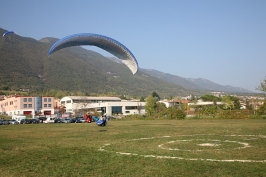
[(30, 105), (45, 100), (24, 105), (49, 99), (49, 105), (116, 109), (25, 99), (131, 107), (29, 99), (45, 105)]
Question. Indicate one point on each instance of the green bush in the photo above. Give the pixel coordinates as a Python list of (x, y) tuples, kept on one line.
[(134, 117), (233, 114), (173, 113)]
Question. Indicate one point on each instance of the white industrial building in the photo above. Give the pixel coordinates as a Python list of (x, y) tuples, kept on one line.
[(108, 105), (204, 103)]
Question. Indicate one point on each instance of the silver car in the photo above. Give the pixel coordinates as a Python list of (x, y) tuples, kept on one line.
[(13, 121), (66, 120)]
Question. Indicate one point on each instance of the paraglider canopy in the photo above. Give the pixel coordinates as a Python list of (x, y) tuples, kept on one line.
[(8, 32), (103, 42)]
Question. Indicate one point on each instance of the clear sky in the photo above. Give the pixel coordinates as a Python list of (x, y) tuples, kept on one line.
[(223, 41)]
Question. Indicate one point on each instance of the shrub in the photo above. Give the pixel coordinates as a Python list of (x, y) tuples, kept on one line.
[(173, 113), (232, 114), (134, 117)]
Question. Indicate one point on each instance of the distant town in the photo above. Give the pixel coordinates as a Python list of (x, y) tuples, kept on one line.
[(36, 106)]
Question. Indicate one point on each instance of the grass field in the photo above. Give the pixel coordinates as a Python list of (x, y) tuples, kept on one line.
[(135, 148)]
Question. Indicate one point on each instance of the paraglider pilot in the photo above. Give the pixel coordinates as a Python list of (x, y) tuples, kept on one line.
[(103, 120), (88, 117)]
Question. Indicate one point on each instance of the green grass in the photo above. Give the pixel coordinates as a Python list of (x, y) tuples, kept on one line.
[(135, 148)]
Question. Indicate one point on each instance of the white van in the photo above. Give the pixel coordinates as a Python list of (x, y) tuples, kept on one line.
[(49, 120), (18, 118)]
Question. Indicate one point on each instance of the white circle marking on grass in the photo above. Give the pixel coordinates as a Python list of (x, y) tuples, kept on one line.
[(244, 145), (207, 144)]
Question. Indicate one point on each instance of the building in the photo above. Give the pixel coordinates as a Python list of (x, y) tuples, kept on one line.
[(205, 103), (170, 103), (109, 105), (27, 105)]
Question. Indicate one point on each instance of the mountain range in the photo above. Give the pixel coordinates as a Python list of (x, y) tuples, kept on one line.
[(190, 83), (24, 63)]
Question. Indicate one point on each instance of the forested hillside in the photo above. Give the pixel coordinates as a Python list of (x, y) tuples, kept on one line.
[(24, 63)]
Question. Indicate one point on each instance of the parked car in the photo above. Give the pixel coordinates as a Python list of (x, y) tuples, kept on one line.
[(4, 122), (49, 120), (42, 119), (35, 121), (26, 121), (13, 121), (58, 120), (72, 120), (66, 120), (22, 121), (75, 120), (18, 118), (81, 119)]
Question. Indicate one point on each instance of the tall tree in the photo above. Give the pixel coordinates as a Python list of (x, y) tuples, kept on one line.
[(150, 106), (262, 108), (228, 103), (236, 102), (262, 86), (160, 107), (142, 99), (155, 96)]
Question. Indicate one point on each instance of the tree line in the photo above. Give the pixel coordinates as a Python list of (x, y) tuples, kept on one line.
[(229, 109)]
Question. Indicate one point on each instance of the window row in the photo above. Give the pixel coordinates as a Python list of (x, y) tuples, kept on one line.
[(44, 99), (27, 99), (30, 105), (47, 100), (27, 105), (134, 107)]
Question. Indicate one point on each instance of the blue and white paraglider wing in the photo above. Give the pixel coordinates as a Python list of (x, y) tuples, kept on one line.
[(8, 32), (103, 42), (99, 122)]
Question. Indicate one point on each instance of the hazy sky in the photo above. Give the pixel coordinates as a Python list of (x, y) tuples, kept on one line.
[(223, 41)]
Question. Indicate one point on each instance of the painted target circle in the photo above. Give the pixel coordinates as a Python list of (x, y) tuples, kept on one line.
[(202, 147)]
